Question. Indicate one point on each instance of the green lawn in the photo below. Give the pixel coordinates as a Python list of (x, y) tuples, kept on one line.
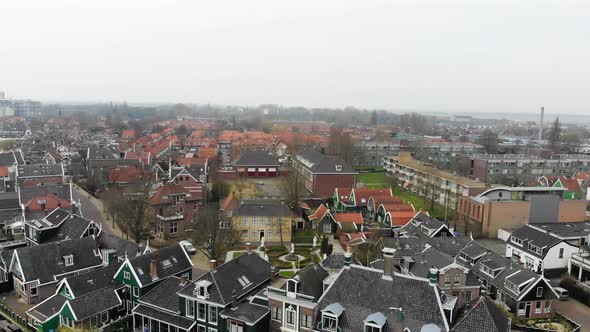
[(374, 179), (304, 236), (238, 254), (420, 203), (287, 274)]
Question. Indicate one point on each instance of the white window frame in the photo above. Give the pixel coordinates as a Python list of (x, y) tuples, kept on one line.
[(197, 311), (126, 275), (190, 304), (135, 291), (213, 318), (539, 290)]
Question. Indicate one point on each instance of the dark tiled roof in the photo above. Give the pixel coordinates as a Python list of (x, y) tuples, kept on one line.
[(176, 320), (565, 229), (100, 153), (311, 280), (320, 163), (88, 282), (72, 228), (484, 316), (409, 247), (48, 308), (45, 261), (246, 312), (120, 246), (40, 170), (56, 190), (164, 295), (170, 261), (333, 262), (536, 237), (95, 302), (7, 159), (362, 292), (263, 208), (256, 158), (425, 226), (226, 278), (9, 201)]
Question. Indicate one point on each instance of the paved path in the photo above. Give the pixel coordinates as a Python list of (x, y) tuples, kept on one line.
[(575, 310), (92, 208)]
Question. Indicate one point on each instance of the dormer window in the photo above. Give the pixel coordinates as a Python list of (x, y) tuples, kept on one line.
[(338, 168), (292, 285), (69, 260), (201, 289), (375, 322), (330, 317), (516, 240)]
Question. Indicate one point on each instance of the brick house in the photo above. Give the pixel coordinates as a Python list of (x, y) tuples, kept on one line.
[(321, 174), (175, 208), (256, 164)]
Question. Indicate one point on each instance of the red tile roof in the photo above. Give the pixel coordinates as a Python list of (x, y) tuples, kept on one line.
[(51, 203), (319, 213), (164, 193), (571, 184), (128, 133), (124, 174), (3, 171), (352, 217), (400, 218)]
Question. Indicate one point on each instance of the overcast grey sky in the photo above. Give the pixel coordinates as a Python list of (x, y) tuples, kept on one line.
[(474, 55)]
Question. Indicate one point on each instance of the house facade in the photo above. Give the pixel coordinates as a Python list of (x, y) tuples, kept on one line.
[(263, 219), (321, 174)]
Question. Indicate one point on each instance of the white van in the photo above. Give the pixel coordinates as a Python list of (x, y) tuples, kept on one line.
[(562, 292)]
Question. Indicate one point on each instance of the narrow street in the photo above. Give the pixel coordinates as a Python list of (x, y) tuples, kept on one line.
[(575, 310), (93, 209)]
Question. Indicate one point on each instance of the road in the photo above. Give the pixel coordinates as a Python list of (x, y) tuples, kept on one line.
[(576, 311), (92, 209)]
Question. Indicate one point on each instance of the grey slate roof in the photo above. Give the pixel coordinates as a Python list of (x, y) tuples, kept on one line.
[(262, 208), (311, 280), (225, 277), (45, 261), (91, 281), (317, 162), (531, 235), (565, 229), (9, 158), (246, 312), (9, 201), (422, 226), (40, 170), (411, 246), (428, 259), (121, 246), (48, 308), (164, 295), (72, 228), (176, 320), (256, 158), (484, 316), (170, 261), (95, 302), (362, 292), (96, 152)]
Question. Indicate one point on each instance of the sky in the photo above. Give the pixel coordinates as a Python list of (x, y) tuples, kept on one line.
[(458, 56)]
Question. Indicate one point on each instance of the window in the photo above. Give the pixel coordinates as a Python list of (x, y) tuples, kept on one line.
[(269, 234), (372, 328), (539, 291), (516, 240), (34, 291), (547, 306), (235, 327), (457, 279), (447, 280), (254, 233), (467, 296), (560, 252), (537, 307), (329, 323), (277, 313), (136, 291), (306, 321), (201, 328), (174, 227), (212, 329), (69, 260), (104, 317), (201, 311), (126, 275), (190, 308), (290, 316), (212, 315), (245, 221)]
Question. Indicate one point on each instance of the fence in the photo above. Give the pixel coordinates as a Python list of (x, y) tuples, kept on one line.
[(12, 316)]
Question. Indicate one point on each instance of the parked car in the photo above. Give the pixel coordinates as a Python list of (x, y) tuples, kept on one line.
[(562, 292), (188, 247)]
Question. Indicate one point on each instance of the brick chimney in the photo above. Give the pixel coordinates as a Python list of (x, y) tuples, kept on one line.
[(249, 248), (154, 269), (182, 281), (388, 263), (347, 259), (212, 264)]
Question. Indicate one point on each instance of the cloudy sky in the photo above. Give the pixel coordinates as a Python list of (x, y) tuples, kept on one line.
[(502, 56)]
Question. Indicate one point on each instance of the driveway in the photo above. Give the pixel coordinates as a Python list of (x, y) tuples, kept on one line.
[(576, 311)]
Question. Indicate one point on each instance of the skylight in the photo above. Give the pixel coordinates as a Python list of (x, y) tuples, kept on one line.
[(244, 282), (166, 263)]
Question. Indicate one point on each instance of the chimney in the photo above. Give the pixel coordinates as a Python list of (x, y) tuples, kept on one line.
[(182, 280), (212, 264), (399, 325), (433, 275), (388, 263), (347, 259), (154, 269), (249, 248), (233, 300)]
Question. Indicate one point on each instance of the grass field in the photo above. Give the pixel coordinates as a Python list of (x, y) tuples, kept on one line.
[(374, 179), (420, 203)]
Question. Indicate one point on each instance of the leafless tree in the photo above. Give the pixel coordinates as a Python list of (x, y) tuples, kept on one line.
[(214, 237)]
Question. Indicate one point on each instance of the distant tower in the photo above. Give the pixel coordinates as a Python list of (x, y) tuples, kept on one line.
[(1, 95), (541, 124)]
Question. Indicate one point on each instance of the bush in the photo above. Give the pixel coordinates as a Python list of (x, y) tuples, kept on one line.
[(283, 265), (575, 291)]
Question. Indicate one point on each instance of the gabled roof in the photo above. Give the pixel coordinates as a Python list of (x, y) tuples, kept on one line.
[(121, 246), (94, 303), (534, 236), (343, 194), (164, 294), (96, 152), (169, 261), (91, 281), (262, 208), (320, 213), (256, 158), (51, 196), (165, 194), (45, 262), (362, 292), (311, 280), (571, 184), (319, 163), (349, 217), (333, 262), (484, 316), (362, 195), (40, 170), (48, 308), (229, 277)]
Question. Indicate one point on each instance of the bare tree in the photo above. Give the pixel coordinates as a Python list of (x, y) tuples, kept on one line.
[(214, 237), (135, 214), (555, 134), (293, 187)]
